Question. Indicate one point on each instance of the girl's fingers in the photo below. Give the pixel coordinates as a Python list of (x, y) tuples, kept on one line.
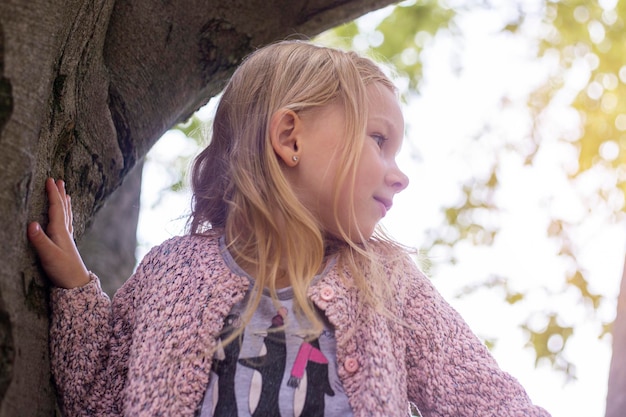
[(63, 195), (70, 225), (43, 245), (59, 219), (62, 263), (55, 246)]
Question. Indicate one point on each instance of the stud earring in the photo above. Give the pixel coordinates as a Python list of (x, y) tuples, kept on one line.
[(295, 158)]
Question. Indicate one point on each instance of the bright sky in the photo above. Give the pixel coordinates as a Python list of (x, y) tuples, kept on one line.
[(439, 154)]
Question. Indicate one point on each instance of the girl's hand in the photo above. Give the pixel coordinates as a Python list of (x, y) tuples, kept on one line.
[(56, 249)]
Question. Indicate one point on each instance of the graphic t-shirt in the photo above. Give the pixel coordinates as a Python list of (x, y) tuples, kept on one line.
[(271, 369)]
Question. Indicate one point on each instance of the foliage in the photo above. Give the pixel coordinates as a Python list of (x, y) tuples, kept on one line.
[(591, 35), (399, 38), (549, 343), (407, 31), (194, 131)]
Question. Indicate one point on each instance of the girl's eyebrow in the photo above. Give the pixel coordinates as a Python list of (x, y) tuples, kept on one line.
[(389, 125)]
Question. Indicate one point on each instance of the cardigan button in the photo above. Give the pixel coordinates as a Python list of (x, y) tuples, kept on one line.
[(327, 293), (351, 365)]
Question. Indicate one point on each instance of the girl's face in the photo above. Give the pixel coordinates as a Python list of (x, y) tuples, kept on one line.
[(378, 178)]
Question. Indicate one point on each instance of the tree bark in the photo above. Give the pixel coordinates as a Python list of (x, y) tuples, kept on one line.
[(109, 243), (616, 395), (86, 88)]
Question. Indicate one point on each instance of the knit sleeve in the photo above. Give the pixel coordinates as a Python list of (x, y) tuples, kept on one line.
[(90, 338), (450, 371)]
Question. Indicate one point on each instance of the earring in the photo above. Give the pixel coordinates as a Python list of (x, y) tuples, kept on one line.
[(295, 158)]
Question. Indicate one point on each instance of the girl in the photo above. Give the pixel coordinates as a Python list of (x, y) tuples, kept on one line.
[(284, 299)]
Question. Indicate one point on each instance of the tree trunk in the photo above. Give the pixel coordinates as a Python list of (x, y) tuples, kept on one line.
[(86, 88), (616, 395), (108, 245)]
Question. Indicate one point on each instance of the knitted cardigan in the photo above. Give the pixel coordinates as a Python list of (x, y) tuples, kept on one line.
[(148, 352)]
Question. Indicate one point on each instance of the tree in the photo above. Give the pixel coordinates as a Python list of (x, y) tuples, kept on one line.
[(86, 87), (616, 396), (109, 243)]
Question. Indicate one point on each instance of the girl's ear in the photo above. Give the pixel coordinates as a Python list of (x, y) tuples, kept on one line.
[(285, 130)]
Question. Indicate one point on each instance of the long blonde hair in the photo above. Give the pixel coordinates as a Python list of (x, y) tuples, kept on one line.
[(239, 188)]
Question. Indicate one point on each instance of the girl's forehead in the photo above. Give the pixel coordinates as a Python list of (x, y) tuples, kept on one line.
[(384, 107)]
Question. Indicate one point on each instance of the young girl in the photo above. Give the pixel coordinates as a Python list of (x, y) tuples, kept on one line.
[(284, 299)]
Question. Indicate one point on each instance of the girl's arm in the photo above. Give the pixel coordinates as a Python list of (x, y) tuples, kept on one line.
[(80, 349), (87, 346), (450, 371)]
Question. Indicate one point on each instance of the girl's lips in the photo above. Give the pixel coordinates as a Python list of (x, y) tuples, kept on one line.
[(385, 205)]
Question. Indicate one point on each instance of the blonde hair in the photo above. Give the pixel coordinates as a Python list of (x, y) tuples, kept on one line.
[(239, 188)]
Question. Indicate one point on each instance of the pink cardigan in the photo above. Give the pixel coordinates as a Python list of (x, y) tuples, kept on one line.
[(149, 351)]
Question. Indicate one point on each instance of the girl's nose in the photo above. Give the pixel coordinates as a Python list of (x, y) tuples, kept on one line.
[(397, 179)]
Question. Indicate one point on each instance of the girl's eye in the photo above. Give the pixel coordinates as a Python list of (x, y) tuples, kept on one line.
[(379, 139)]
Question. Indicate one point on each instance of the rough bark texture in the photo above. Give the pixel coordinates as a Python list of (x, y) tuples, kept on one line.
[(616, 395), (86, 88)]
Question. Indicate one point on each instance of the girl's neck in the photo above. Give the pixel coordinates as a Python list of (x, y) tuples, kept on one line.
[(252, 269), (282, 278), (332, 246)]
